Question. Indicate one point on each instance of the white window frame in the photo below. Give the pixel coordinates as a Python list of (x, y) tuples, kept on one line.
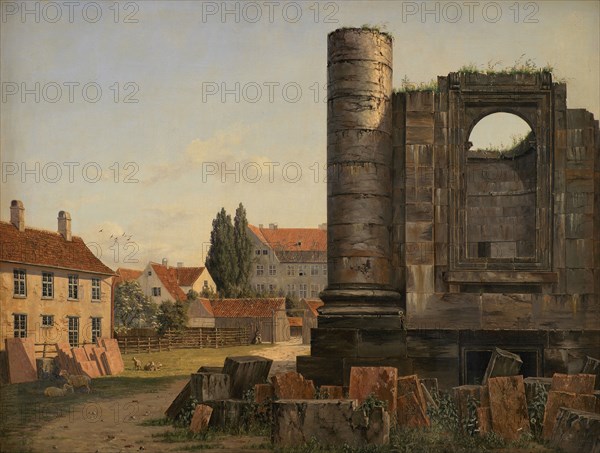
[(96, 294), (314, 269), (73, 285), (291, 270), (156, 292), (303, 291), (96, 328), (260, 270), (47, 285), (20, 325), (324, 267), (46, 318), (73, 331), (272, 270), (314, 290), (19, 283)]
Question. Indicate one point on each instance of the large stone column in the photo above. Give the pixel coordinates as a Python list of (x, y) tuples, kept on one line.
[(359, 187)]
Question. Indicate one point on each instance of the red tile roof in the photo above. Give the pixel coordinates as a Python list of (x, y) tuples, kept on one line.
[(295, 321), (199, 308), (126, 275), (293, 239), (49, 249), (168, 277), (247, 308), (313, 304), (187, 276)]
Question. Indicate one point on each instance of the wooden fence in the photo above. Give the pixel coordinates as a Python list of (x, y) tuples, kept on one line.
[(202, 337)]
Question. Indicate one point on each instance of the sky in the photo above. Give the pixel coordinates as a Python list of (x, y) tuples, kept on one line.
[(144, 118)]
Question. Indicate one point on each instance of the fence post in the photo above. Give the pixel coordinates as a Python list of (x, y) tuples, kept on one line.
[(159, 348)]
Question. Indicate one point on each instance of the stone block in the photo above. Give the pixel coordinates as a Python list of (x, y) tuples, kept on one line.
[(532, 385), (97, 356), (410, 412), (573, 383), (21, 359), (79, 355), (556, 400), (484, 419), (331, 422), (230, 412), (263, 393), (382, 342), (292, 385), (464, 393), (113, 354), (576, 431), (502, 363), (334, 342), (508, 406), (89, 368), (379, 381), (246, 372), (201, 418), (411, 384), (431, 384), (210, 386), (592, 366), (331, 392)]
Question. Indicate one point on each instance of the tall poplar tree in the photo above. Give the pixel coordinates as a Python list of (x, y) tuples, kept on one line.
[(243, 250), (221, 260)]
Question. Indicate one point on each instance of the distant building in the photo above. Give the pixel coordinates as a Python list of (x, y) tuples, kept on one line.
[(310, 317), (295, 326), (52, 286), (289, 261), (200, 313)]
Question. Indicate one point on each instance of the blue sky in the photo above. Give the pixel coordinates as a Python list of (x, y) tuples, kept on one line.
[(151, 168)]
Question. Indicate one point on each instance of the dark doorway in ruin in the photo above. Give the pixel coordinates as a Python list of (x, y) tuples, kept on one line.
[(501, 184), (476, 361)]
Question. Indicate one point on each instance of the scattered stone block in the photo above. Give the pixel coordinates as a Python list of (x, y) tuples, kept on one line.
[(484, 419), (179, 402), (532, 384), (408, 384), (331, 392), (89, 350), (292, 385), (558, 399), (89, 368), (410, 412), (463, 393), (502, 363), (201, 418), (428, 398), (210, 369), (508, 407), (592, 366), (21, 360), (210, 386), (431, 384), (379, 381), (263, 393), (573, 383), (79, 355), (246, 372), (576, 431), (113, 354), (332, 422), (230, 412)]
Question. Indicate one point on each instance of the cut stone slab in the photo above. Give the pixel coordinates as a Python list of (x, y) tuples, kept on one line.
[(592, 366), (556, 400), (79, 355), (263, 393), (502, 363), (461, 398), (113, 354), (428, 398), (573, 383), (292, 385), (331, 392), (230, 412), (332, 422), (576, 431), (89, 368), (410, 413), (211, 369), (210, 386), (201, 418), (179, 402), (484, 419), (97, 356), (21, 359), (508, 406), (408, 384), (246, 372), (379, 381), (431, 384), (532, 384)]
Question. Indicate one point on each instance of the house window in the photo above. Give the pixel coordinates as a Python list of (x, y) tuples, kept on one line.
[(314, 270), (156, 291), (260, 269), (314, 290), (260, 287), (291, 289), (96, 289), (272, 269), (265, 252), (301, 270), (20, 285), (206, 284), (47, 320), (149, 273), (324, 267), (291, 270), (96, 329), (20, 326), (47, 285), (272, 288), (73, 331), (303, 290), (257, 251), (73, 287)]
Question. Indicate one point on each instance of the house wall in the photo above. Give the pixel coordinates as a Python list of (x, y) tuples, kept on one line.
[(198, 285), (147, 282), (34, 306)]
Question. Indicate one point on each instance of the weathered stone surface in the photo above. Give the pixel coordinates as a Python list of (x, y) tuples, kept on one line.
[(380, 381), (408, 384), (532, 383), (558, 399), (210, 386), (576, 431), (484, 419), (573, 383), (246, 372), (592, 366), (113, 355), (21, 359), (263, 393), (89, 368), (331, 392), (201, 418), (229, 412), (179, 402), (502, 363), (508, 407), (410, 412), (431, 384), (462, 394), (331, 422), (292, 385), (97, 356)]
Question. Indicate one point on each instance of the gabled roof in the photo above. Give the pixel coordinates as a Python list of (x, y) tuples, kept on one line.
[(187, 276), (199, 308), (247, 308), (313, 304), (48, 249), (126, 275), (168, 277), (301, 245)]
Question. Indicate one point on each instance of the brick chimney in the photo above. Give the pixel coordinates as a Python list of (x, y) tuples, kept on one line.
[(17, 214), (165, 262), (64, 225)]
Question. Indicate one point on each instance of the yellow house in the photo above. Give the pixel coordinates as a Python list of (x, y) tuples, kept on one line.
[(52, 287)]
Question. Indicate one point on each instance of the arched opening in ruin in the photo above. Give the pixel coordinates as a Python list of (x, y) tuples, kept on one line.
[(501, 189)]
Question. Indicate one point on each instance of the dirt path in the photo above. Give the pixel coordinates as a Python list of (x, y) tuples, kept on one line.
[(114, 425)]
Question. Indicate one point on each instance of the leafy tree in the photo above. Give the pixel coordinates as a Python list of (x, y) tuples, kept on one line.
[(132, 307), (172, 315), (192, 295), (221, 261), (243, 249)]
